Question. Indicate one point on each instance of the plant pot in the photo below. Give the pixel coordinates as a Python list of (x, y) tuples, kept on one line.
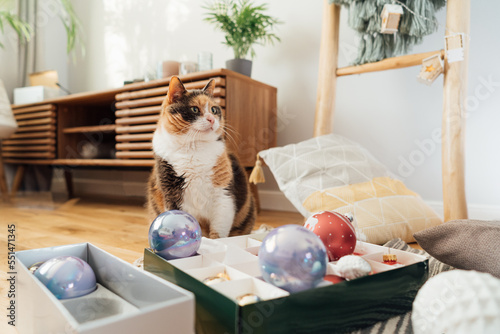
[(243, 66)]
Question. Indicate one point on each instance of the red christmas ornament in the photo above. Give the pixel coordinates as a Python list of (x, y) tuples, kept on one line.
[(334, 279), (336, 232)]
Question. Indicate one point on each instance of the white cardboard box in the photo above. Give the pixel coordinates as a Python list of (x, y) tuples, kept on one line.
[(157, 305), (34, 94)]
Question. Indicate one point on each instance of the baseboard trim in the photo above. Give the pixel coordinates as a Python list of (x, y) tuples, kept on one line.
[(476, 211), (276, 200), (269, 199), (102, 187)]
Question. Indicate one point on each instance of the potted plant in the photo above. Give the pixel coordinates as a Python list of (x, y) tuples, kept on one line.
[(245, 24), (24, 30)]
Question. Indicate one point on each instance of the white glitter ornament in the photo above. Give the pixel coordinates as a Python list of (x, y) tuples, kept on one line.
[(458, 301), (353, 266)]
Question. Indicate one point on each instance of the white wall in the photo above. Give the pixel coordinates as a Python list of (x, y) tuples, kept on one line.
[(390, 113)]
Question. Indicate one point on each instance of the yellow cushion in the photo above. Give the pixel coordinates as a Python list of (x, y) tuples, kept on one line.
[(383, 207), (332, 172)]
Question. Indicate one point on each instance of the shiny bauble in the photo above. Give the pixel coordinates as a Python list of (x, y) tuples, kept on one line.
[(335, 231), (67, 277), (175, 234), (458, 301), (34, 267), (353, 266), (292, 258)]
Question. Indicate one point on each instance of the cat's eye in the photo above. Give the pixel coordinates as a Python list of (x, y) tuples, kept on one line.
[(195, 110), (215, 110)]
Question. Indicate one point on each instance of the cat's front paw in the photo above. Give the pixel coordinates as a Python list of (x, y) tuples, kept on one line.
[(214, 235)]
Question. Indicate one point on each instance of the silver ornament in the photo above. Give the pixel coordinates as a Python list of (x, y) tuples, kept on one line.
[(353, 266)]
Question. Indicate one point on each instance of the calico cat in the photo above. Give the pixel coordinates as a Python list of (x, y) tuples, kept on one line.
[(193, 170)]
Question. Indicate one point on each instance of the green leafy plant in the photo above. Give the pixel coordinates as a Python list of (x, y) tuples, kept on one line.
[(24, 30), (244, 23)]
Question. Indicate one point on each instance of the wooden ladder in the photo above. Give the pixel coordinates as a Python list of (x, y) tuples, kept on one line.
[(455, 82)]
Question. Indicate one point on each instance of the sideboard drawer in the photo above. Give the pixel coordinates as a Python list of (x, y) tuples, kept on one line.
[(36, 136)]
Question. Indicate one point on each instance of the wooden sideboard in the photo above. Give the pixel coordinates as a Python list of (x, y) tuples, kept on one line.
[(54, 131)]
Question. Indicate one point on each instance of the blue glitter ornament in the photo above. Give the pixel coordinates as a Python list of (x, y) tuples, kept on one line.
[(67, 277), (292, 258), (175, 234)]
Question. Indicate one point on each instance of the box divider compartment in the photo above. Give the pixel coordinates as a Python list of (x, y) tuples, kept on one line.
[(345, 306)]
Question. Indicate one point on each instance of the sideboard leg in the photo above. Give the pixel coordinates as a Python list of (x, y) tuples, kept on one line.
[(18, 179), (68, 177)]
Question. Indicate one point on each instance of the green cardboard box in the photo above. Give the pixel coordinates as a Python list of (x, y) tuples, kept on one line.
[(328, 308)]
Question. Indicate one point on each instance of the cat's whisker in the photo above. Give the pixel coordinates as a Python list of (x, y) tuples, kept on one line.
[(230, 137), (195, 139), (230, 128)]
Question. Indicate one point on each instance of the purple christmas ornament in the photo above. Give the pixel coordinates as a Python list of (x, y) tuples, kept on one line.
[(292, 258), (175, 234), (67, 277)]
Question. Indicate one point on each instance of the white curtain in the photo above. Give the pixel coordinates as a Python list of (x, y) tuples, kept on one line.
[(27, 51), (8, 124), (36, 178)]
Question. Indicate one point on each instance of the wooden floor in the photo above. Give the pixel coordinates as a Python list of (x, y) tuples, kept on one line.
[(119, 228)]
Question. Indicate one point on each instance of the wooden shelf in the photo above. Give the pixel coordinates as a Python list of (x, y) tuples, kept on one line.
[(388, 63), (84, 162), (92, 128)]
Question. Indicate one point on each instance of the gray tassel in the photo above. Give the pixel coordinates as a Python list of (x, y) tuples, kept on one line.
[(355, 20), (361, 50), (378, 49)]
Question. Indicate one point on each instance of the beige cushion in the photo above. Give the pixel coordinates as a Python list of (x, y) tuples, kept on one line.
[(464, 244), (334, 173)]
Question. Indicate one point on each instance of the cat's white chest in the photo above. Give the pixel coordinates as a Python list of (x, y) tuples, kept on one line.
[(197, 169)]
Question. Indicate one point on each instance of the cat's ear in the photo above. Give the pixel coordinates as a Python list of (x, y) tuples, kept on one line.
[(209, 88), (175, 90)]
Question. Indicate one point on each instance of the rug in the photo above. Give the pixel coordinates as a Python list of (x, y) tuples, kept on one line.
[(402, 323)]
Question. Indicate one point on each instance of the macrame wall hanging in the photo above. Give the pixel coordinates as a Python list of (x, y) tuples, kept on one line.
[(388, 28)]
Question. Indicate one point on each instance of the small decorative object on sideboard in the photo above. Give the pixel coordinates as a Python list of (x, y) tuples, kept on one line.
[(244, 24), (187, 67), (167, 69), (205, 61), (33, 94)]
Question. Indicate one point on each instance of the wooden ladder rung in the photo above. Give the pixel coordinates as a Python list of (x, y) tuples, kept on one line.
[(388, 63)]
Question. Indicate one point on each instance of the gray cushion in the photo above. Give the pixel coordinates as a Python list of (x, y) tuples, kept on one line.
[(464, 244)]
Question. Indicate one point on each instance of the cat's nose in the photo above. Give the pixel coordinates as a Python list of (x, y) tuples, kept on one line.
[(210, 118)]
